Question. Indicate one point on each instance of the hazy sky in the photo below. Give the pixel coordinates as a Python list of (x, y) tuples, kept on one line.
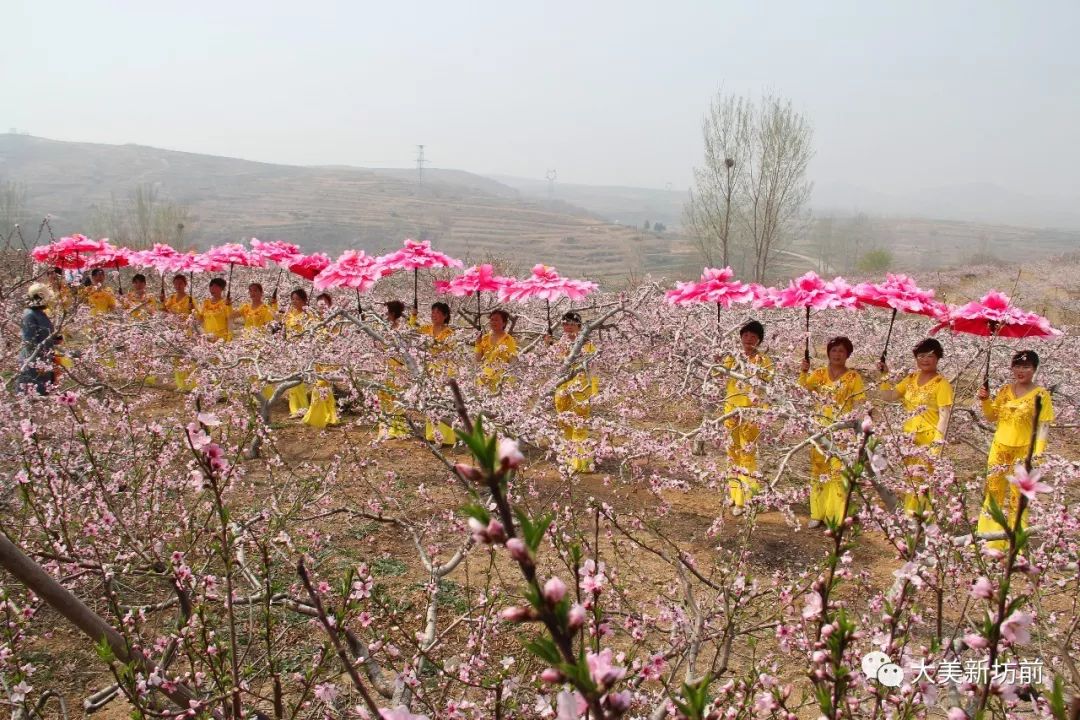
[(902, 95)]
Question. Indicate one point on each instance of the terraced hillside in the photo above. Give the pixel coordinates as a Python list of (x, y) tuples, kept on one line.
[(331, 208)]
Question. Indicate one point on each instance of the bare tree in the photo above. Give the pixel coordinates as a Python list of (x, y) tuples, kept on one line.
[(727, 132), (752, 189), (141, 221), (111, 221), (12, 206), (776, 190)]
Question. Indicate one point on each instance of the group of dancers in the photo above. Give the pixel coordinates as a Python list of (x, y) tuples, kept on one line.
[(923, 391), (494, 351)]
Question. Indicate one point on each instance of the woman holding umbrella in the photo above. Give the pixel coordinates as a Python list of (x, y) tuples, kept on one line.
[(392, 425), (214, 312), (495, 351), (575, 395), (839, 388), (929, 392), (742, 395), (297, 320), (1016, 408), (442, 366)]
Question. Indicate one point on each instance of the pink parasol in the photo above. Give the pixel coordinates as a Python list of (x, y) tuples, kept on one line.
[(280, 253), (308, 266), (812, 292), (162, 258), (477, 279), (900, 294), (111, 256), (67, 253), (352, 269), (995, 315), (233, 254), (547, 284), (715, 286), (413, 256)]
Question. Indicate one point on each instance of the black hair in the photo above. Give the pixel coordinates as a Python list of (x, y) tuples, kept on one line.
[(572, 317), (929, 345), (840, 341), (300, 293), (501, 313), (138, 277), (97, 272), (754, 327), (443, 308), (396, 309), (256, 285), (85, 282), (58, 271), (180, 276), (329, 300), (220, 282), (1026, 357)]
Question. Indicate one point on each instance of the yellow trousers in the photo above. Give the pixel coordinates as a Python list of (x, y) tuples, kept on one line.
[(298, 398), (827, 487), (393, 424), (742, 460), (1000, 464), (446, 435), (322, 410), (575, 433), (182, 378)]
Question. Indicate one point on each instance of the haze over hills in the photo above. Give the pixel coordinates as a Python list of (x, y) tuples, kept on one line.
[(329, 208), (584, 230)]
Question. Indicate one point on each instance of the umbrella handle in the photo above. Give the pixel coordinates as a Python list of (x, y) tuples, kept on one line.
[(415, 290), (548, 303), (228, 288), (479, 325), (888, 337), (273, 295), (989, 346), (718, 318), (163, 286), (359, 307), (806, 353), (119, 278)]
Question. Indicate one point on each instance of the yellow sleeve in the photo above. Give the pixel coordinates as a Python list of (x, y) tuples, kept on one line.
[(991, 408), (944, 394), (1046, 415), (511, 346), (809, 380), (902, 386)]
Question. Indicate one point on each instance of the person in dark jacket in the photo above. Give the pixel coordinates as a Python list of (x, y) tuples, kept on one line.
[(38, 338)]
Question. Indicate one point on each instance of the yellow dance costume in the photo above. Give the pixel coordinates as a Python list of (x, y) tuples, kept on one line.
[(441, 367), (742, 449), (1015, 417), (936, 394), (256, 318), (214, 315), (827, 484), (322, 410), (140, 307), (181, 307), (101, 299), (296, 322), (495, 357), (575, 396)]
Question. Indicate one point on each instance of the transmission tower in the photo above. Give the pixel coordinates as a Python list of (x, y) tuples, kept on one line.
[(551, 175), (420, 164)]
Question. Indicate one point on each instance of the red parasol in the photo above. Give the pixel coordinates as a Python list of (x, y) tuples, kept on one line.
[(413, 256), (900, 293), (477, 279), (812, 292), (547, 284)]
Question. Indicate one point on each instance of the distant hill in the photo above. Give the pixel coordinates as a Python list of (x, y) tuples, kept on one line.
[(331, 208)]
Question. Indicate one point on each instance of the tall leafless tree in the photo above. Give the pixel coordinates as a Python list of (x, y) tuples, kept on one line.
[(752, 189)]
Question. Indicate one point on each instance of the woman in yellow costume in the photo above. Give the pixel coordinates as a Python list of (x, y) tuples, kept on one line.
[(322, 410), (214, 312), (839, 388), (495, 351), (1013, 409), (442, 365), (742, 395), (181, 305), (99, 295), (297, 320), (575, 395), (138, 303), (61, 300), (927, 391), (256, 314), (393, 425)]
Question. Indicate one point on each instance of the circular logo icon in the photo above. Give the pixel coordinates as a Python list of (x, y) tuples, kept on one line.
[(890, 675), (872, 662)]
